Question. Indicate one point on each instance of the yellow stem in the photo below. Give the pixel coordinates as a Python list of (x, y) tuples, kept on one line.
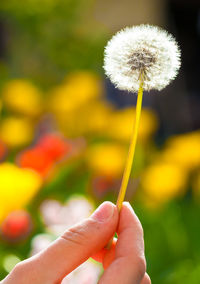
[(131, 153)]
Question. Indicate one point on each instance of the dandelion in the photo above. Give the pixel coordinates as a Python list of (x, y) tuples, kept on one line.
[(140, 58), (146, 51)]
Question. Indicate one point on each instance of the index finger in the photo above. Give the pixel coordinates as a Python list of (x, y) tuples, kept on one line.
[(66, 253)]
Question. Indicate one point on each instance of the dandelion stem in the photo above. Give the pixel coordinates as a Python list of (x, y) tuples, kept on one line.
[(131, 153)]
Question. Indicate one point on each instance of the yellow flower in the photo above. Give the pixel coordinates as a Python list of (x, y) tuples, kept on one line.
[(16, 132), (184, 150), (163, 181), (17, 187), (93, 117), (107, 159), (121, 123), (78, 89), (88, 119), (61, 100), (87, 85), (22, 97)]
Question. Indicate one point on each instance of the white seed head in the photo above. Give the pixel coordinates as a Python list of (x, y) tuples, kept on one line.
[(146, 49)]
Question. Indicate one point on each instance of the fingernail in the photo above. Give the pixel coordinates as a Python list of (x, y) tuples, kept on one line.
[(104, 212)]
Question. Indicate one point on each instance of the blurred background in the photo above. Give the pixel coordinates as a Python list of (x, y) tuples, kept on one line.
[(64, 132)]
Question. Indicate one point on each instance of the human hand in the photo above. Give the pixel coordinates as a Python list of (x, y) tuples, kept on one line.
[(124, 263)]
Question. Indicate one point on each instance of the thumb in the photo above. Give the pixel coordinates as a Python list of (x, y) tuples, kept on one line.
[(74, 247)]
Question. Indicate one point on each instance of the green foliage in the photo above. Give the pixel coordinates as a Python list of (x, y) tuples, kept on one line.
[(171, 240), (48, 38)]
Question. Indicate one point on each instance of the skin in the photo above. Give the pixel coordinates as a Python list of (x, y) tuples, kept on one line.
[(123, 263)]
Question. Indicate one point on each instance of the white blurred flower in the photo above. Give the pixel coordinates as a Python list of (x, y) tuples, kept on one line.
[(50, 210), (79, 208), (40, 242), (146, 49), (58, 217), (87, 273)]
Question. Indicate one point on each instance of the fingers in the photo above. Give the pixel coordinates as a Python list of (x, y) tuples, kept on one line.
[(146, 279), (74, 247), (105, 253), (128, 265)]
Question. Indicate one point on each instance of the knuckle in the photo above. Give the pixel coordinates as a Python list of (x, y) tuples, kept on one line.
[(19, 267), (78, 235), (141, 266), (19, 271)]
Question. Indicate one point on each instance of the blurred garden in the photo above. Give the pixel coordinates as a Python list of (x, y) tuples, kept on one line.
[(64, 139)]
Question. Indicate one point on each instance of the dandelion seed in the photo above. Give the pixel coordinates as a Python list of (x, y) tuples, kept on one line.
[(142, 49)]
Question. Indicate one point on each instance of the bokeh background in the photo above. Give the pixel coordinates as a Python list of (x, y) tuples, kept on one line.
[(64, 132)]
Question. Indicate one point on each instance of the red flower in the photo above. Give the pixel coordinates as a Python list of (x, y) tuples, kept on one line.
[(54, 145), (17, 225), (102, 185), (36, 159)]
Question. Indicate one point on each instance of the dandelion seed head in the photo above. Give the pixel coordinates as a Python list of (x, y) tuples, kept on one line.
[(147, 49), (141, 60)]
